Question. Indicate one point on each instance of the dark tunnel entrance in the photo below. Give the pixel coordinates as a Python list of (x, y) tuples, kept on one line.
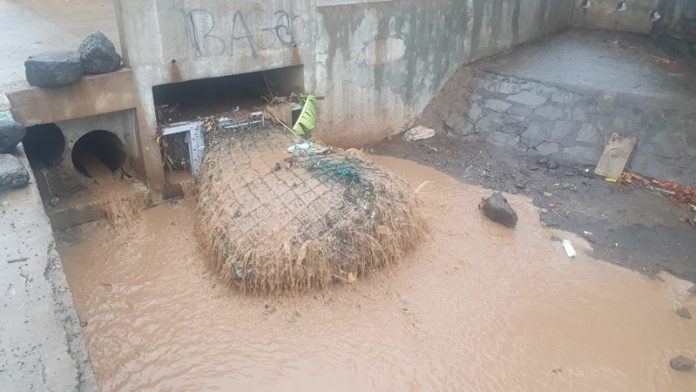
[(98, 147), (44, 145)]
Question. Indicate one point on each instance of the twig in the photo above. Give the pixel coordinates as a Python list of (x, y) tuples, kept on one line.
[(277, 120), (19, 260)]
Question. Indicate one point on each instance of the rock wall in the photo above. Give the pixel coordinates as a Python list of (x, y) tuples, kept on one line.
[(380, 63), (569, 126)]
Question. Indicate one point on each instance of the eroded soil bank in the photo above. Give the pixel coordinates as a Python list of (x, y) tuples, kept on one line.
[(478, 307)]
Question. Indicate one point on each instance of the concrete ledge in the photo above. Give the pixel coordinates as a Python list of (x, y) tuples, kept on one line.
[(41, 343), (77, 211), (91, 96)]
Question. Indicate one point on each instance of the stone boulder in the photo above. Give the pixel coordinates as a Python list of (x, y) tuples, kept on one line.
[(53, 69), (11, 134), (682, 363), (497, 209), (13, 174), (99, 55)]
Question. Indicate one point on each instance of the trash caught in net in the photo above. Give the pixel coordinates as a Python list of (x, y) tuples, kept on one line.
[(278, 223)]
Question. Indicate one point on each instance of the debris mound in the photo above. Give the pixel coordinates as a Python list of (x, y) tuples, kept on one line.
[(278, 223)]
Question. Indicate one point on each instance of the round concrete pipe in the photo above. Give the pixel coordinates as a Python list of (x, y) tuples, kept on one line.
[(101, 146), (44, 145)]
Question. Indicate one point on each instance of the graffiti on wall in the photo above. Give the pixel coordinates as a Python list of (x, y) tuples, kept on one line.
[(256, 30)]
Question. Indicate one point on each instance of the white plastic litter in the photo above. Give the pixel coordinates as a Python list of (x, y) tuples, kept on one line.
[(418, 133), (568, 246)]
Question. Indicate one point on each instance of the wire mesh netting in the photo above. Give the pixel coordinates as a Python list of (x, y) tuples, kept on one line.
[(274, 222)]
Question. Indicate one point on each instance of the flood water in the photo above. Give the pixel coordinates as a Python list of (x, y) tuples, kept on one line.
[(477, 308)]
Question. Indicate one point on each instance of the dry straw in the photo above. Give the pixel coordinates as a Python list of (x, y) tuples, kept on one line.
[(273, 223)]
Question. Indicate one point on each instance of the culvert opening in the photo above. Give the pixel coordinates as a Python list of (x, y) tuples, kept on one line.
[(205, 97), (44, 145), (234, 97), (98, 151)]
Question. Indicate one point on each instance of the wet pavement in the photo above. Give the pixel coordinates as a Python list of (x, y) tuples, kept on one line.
[(477, 307), (628, 226), (41, 343), (596, 61)]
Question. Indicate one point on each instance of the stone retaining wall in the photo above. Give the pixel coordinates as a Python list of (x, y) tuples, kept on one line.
[(573, 127)]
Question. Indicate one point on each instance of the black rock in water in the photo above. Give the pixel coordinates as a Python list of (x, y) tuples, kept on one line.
[(682, 363), (497, 209), (53, 69), (98, 54)]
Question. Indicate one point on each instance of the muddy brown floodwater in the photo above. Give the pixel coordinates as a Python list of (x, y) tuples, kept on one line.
[(478, 307)]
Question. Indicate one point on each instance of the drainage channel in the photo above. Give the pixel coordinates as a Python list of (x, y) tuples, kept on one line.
[(478, 307)]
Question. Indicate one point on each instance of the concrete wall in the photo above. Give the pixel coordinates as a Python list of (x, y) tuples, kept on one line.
[(676, 32), (168, 41), (603, 15), (378, 63), (63, 179)]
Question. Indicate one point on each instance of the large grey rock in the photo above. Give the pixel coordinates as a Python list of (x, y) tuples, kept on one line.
[(538, 130), (460, 125), (496, 105), (497, 209), (581, 155), (551, 112), (563, 130), (528, 98), (13, 174), (502, 139), (548, 148), (11, 134), (99, 55), (588, 134), (53, 69), (475, 112), (682, 363)]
